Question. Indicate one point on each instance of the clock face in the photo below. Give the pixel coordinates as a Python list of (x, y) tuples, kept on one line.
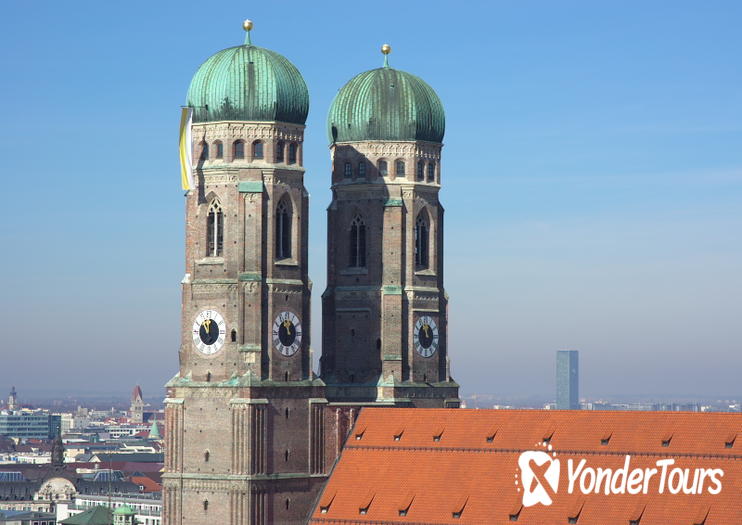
[(287, 333), (209, 332), (425, 336)]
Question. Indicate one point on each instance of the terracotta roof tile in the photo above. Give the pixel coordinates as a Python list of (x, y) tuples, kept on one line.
[(472, 470)]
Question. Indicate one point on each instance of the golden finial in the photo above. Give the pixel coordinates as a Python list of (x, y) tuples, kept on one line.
[(247, 26), (386, 49)]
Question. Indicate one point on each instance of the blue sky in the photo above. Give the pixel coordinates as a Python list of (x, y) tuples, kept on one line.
[(592, 177)]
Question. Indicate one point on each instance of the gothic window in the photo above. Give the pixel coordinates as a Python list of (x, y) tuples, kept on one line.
[(238, 149), (357, 243), (283, 229), (422, 241), (279, 150), (218, 149), (204, 151), (214, 230), (292, 153), (362, 169), (399, 168), (420, 175), (431, 171), (257, 150), (383, 170), (348, 171)]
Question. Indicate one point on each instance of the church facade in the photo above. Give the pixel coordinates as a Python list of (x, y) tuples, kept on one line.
[(252, 431)]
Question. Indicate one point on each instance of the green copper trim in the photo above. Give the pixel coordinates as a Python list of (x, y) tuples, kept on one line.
[(251, 348), (392, 290), (250, 186), (295, 282), (214, 281), (250, 276), (392, 357), (393, 203)]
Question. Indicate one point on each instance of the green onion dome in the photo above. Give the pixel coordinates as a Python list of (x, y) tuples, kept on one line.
[(386, 104), (248, 83)]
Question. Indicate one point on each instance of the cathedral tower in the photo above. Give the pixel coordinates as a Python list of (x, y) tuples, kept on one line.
[(244, 416), (385, 308)]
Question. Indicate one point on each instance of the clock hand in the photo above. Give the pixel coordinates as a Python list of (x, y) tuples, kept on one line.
[(207, 324), (425, 329), (287, 326)]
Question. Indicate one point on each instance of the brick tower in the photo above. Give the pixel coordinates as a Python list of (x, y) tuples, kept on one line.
[(244, 414), (384, 310)]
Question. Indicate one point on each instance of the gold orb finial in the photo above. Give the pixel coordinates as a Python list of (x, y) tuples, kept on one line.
[(386, 49), (247, 24)]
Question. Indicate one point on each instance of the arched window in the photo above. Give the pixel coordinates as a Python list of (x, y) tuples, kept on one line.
[(214, 230), (362, 169), (218, 149), (206, 504), (292, 153), (422, 241), (238, 149), (207, 455), (279, 150), (420, 175), (204, 151), (383, 170), (357, 243), (399, 168), (348, 170), (283, 229), (431, 171), (257, 150)]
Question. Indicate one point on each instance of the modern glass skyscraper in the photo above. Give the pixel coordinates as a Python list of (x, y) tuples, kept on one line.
[(567, 395)]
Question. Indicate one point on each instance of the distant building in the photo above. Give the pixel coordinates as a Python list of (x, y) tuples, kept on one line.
[(29, 424), (13, 400), (136, 410), (567, 380)]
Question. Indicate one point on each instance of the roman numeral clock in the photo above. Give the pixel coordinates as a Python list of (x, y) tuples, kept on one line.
[(209, 332)]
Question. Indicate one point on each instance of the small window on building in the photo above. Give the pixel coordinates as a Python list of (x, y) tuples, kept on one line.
[(214, 230), (431, 171), (206, 504), (422, 241), (420, 174), (348, 171), (257, 150), (218, 149), (206, 456), (292, 153), (362, 169), (399, 168), (283, 229), (233, 336), (279, 150), (357, 243), (286, 456), (204, 151), (238, 150), (383, 170)]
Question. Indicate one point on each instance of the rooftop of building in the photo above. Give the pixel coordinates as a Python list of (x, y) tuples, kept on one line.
[(464, 466)]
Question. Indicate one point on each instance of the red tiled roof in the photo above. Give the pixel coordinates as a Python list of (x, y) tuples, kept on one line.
[(459, 466), (147, 484)]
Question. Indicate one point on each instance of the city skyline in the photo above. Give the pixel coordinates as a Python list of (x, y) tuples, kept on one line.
[(609, 213)]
